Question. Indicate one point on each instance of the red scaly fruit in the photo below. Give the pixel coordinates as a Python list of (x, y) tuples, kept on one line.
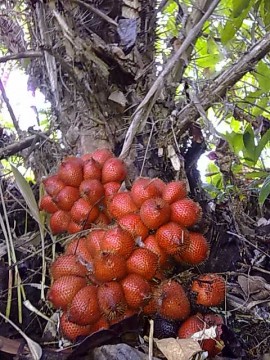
[(91, 170), (74, 228), (155, 212), (118, 241), (101, 324), (113, 169), (209, 289), (86, 157), (108, 267), (102, 155), (172, 238), (152, 307), (102, 219), (173, 301), (53, 185), (196, 251), (92, 190), (84, 308), (71, 171), (47, 204), (59, 222), (159, 184), (143, 262), (79, 248), (111, 188), (142, 190), (93, 241), (67, 265), (64, 289), (190, 326), (151, 244), (126, 314), (185, 212), (67, 197), (133, 224), (137, 291), (83, 212), (111, 300), (173, 191), (121, 204), (70, 330)]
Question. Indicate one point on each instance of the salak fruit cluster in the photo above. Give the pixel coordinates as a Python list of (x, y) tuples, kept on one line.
[(118, 268)]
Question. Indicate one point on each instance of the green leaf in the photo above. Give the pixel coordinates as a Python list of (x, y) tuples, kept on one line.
[(249, 144), (262, 74), (262, 143), (239, 6), (27, 193), (265, 191), (256, 175)]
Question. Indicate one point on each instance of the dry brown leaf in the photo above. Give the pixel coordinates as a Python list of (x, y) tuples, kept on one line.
[(254, 287), (178, 349)]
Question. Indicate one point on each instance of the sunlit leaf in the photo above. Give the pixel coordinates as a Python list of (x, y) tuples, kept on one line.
[(265, 191), (262, 74), (239, 6)]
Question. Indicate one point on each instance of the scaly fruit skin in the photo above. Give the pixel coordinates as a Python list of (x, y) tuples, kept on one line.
[(91, 170), (67, 197), (108, 267), (133, 224), (83, 212), (74, 228), (111, 300), (102, 220), (142, 190), (101, 324), (155, 212), (114, 169), (102, 155), (59, 222), (143, 262), (118, 241), (70, 330), (84, 308), (173, 301), (185, 212), (67, 265), (137, 291), (93, 241), (196, 252), (190, 326), (71, 172), (79, 248), (172, 238), (53, 185), (173, 191), (47, 204), (121, 204), (209, 289), (151, 244), (92, 190), (64, 289), (126, 314), (111, 188)]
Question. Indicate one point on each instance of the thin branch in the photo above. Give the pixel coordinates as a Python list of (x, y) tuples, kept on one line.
[(23, 55)]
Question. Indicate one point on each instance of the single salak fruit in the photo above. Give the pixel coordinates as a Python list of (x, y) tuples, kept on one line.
[(53, 185), (209, 289), (137, 291), (151, 244), (121, 204), (67, 197), (74, 228), (64, 289), (84, 308), (71, 171), (59, 222), (102, 220), (111, 188), (143, 262), (91, 170), (155, 212), (83, 212), (118, 241), (92, 190), (109, 266), (191, 325), (70, 330), (113, 169), (47, 204), (196, 252), (133, 224), (185, 212), (67, 265), (143, 189), (79, 248), (102, 155), (93, 241), (172, 238), (173, 191)]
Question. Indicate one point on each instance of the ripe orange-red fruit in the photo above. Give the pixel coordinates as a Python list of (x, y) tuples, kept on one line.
[(84, 308), (209, 289), (159, 184), (47, 204), (101, 324), (111, 300), (102, 155), (93, 241), (111, 188), (108, 267), (143, 189), (143, 262), (155, 212), (190, 326), (74, 228), (118, 241), (70, 330), (121, 204), (67, 197), (137, 291), (185, 212), (173, 301), (151, 244), (64, 289), (126, 314), (79, 248), (172, 238), (59, 222), (92, 190), (53, 185), (152, 307), (71, 171), (173, 191), (83, 212), (113, 169), (102, 219), (196, 251), (91, 170), (133, 224), (67, 265)]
